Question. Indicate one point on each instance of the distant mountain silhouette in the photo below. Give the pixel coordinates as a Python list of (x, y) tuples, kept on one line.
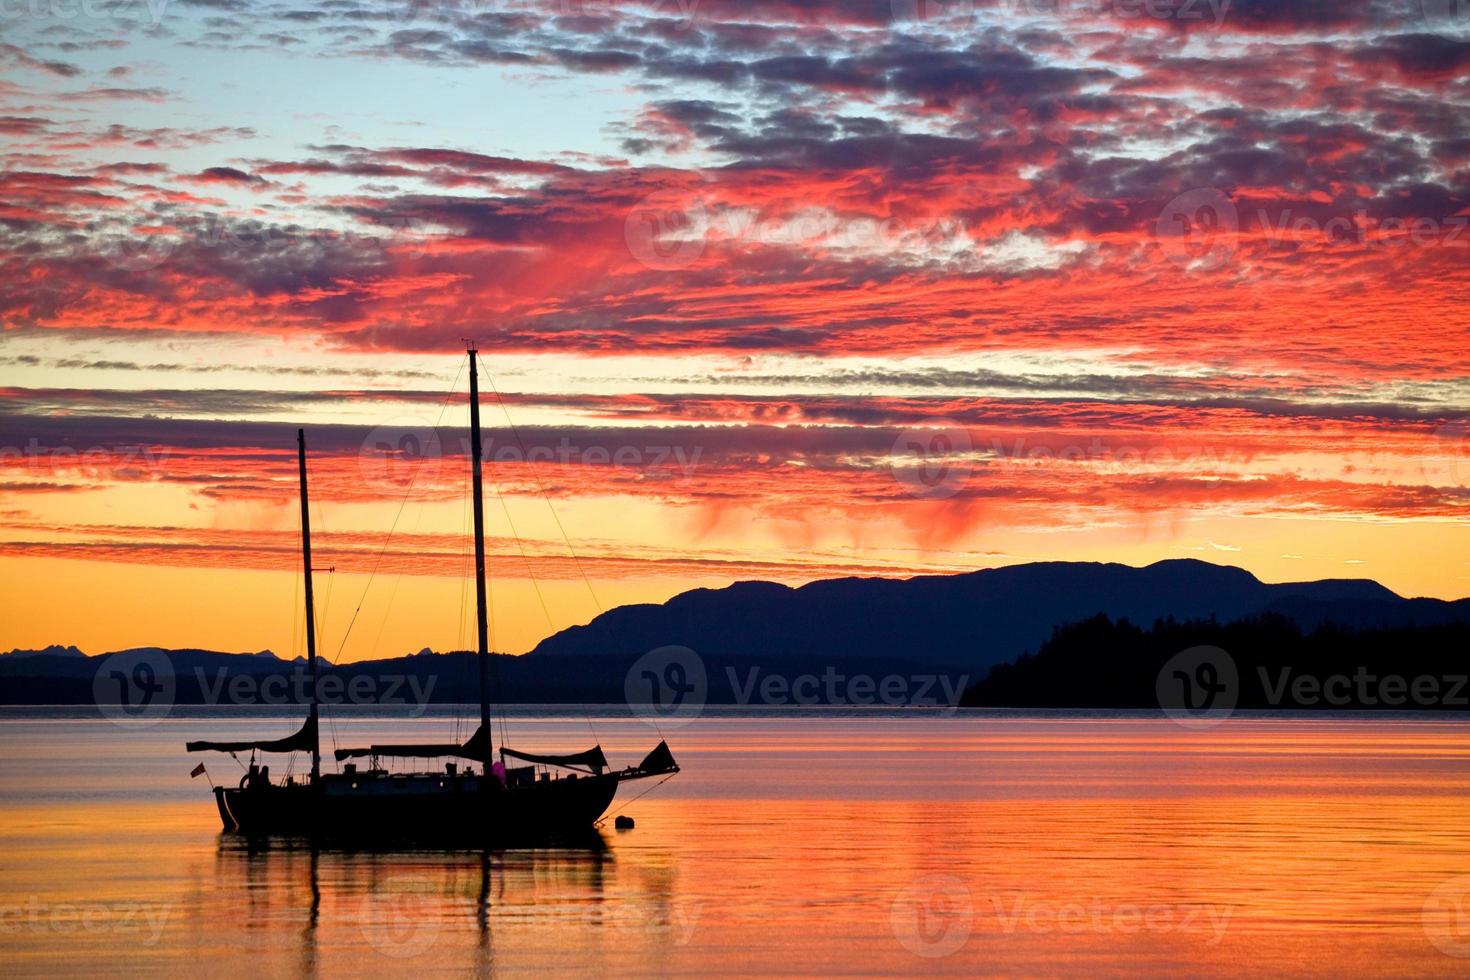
[(54, 650), (955, 626), (208, 677), (973, 620)]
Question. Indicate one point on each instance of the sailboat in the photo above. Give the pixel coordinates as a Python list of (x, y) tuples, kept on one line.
[(524, 796)]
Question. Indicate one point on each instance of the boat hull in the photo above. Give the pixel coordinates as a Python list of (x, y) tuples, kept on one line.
[(418, 807)]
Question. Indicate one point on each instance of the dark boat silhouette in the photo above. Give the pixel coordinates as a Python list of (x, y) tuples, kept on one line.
[(528, 797)]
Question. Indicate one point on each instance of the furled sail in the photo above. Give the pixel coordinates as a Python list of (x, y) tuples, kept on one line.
[(472, 749), (302, 741), (592, 758)]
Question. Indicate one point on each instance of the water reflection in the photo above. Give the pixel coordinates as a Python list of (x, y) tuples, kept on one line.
[(426, 907), (975, 844)]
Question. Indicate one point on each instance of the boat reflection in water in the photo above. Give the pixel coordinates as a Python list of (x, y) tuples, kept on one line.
[(432, 909)]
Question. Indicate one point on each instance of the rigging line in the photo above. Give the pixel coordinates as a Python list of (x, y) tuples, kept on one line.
[(461, 636), (497, 711), (521, 547), (326, 603), (319, 612), (393, 593), (635, 799), (499, 714), (542, 490), (536, 586), (401, 504)]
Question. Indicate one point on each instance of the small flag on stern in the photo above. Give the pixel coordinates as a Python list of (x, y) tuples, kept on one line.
[(198, 771)]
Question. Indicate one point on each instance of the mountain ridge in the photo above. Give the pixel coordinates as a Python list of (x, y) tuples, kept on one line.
[(976, 619), (970, 619)]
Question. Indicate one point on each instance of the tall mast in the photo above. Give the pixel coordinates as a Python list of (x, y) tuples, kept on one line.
[(316, 748), (476, 452)]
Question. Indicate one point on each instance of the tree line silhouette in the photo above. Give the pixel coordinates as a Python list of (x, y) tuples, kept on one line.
[(1272, 663)]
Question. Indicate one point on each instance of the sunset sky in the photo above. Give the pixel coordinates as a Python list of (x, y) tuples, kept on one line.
[(781, 290)]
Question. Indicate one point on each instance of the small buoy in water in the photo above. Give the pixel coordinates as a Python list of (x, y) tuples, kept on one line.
[(623, 823)]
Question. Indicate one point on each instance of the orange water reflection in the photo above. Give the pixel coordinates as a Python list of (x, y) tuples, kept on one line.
[(940, 845)]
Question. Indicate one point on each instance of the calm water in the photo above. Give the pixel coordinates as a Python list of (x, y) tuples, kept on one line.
[(823, 842)]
